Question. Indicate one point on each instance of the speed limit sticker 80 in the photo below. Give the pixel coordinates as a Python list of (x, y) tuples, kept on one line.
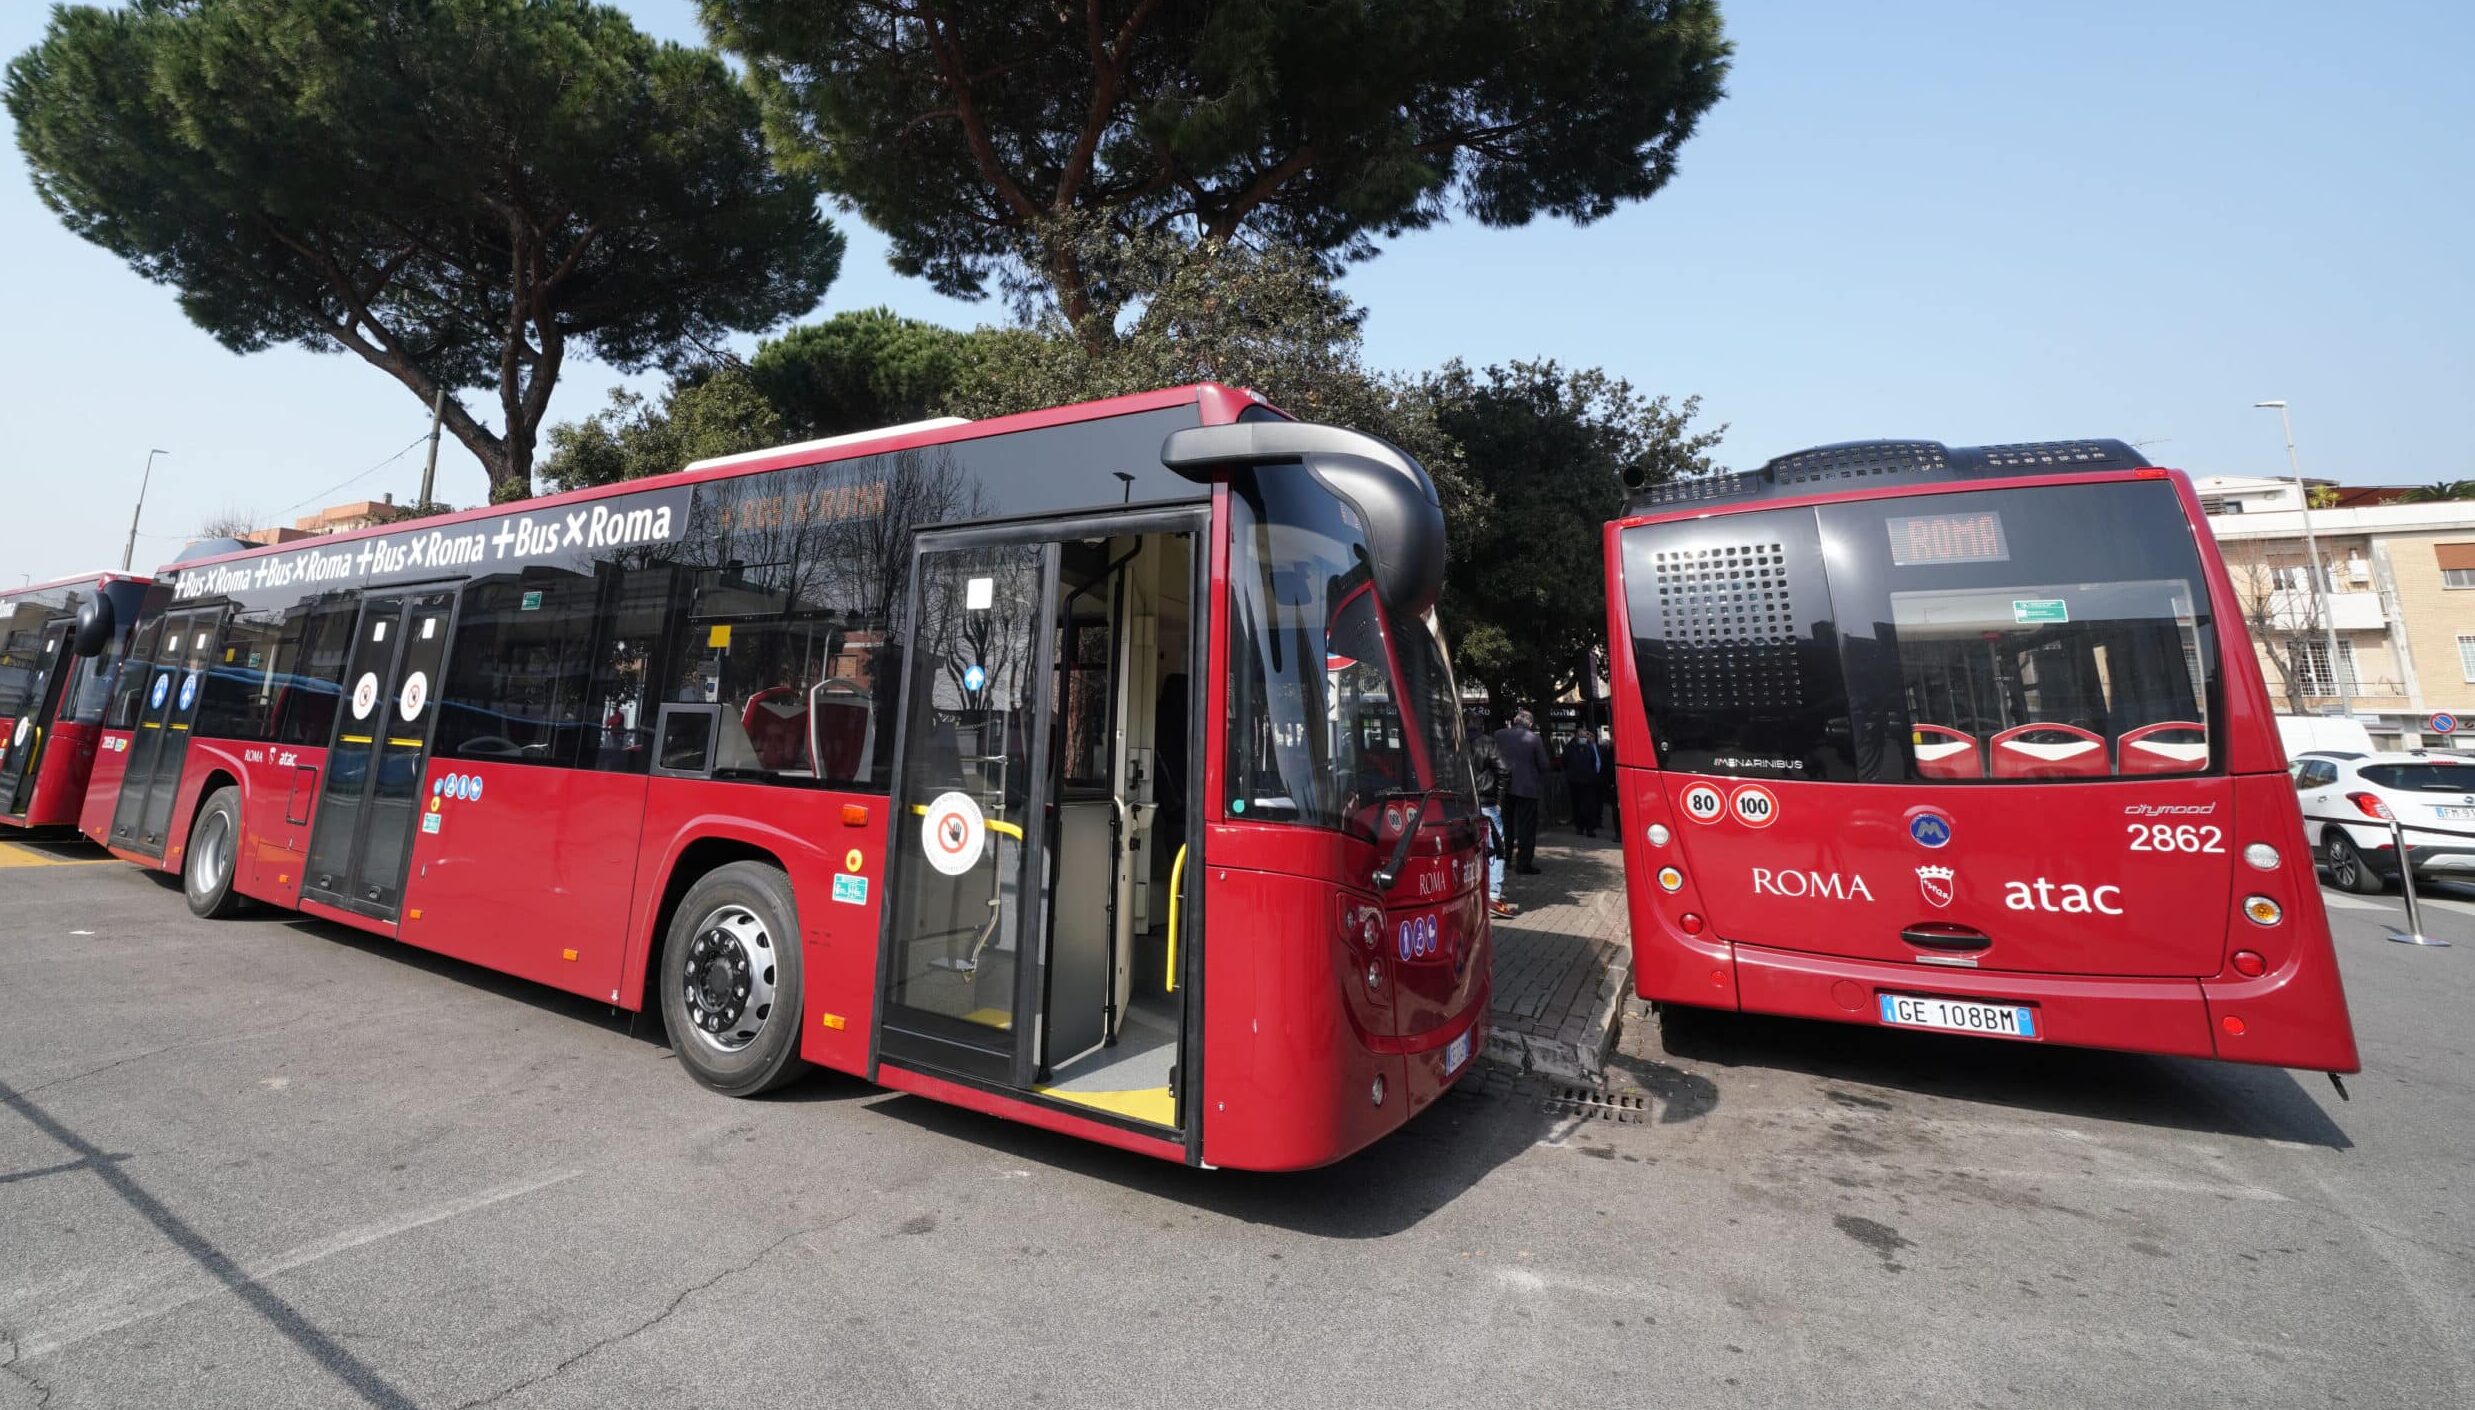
[(1703, 803)]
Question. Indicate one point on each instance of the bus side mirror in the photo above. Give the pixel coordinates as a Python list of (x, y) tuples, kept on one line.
[(95, 625), (1394, 499)]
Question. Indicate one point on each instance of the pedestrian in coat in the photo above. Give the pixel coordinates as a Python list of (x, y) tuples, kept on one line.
[(1525, 783), (1582, 780)]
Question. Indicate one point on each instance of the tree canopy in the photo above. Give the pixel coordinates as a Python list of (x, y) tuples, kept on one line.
[(857, 371), (713, 411), (462, 192), (1544, 450), (972, 130)]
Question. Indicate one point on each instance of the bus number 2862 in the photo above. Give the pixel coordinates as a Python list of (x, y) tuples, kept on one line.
[(2170, 837)]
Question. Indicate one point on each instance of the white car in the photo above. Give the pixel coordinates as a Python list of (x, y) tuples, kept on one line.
[(2348, 800)]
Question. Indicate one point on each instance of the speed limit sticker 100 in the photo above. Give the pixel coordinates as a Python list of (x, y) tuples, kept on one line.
[(1754, 805)]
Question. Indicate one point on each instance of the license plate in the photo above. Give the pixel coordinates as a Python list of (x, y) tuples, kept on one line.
[(1959, 1016), (2456, 814), (1456, 1053)]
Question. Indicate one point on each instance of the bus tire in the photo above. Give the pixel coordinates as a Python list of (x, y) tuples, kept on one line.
[(2348, 870), (213, 857), (731, 980)]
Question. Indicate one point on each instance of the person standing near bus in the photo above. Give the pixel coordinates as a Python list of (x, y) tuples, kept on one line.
[(1525, 782), (1487, 768), (1581, 778)]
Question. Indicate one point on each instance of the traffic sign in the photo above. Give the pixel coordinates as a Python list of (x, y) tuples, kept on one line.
[(2442, 722)]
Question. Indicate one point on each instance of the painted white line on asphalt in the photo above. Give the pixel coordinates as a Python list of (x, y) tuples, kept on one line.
[(1525, 1280), (2339, 900), (111, 1309)]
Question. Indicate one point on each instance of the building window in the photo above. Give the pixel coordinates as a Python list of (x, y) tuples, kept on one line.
[(2466, 657), (2457, 564), (2311, 663)]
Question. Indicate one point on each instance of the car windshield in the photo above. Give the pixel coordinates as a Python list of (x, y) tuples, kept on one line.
[(2421, 778), (1334, 704)]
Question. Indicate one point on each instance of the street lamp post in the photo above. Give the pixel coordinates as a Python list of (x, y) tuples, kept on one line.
[(130, 550), (2320, 579)]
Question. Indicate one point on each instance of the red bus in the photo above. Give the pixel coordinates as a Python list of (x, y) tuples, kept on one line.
[(1961, 738), (1097, 767), (61, 645)]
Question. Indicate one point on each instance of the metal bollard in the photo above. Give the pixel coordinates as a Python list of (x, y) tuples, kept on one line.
[(2413, 934)]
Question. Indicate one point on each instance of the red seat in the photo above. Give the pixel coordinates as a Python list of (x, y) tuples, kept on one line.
[(2049, 751), (2168, 747)]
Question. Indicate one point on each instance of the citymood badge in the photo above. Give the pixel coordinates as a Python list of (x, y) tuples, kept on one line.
[(953, 832)]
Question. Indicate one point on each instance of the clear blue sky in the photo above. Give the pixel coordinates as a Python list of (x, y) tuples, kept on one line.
[(1961, 221)]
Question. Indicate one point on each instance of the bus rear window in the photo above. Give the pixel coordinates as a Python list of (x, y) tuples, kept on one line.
[(2030, 634), (2421, 778)]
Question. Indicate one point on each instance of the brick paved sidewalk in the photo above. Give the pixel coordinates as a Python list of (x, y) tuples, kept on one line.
[(1564, 965)]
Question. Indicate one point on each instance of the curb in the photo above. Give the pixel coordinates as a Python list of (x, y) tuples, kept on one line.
[(1583, 1061)]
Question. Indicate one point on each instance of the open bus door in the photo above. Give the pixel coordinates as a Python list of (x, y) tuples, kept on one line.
[(22, 751), (1029, 932)]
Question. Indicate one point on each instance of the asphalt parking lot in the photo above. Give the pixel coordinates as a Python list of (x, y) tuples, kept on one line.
[(270, 1162)]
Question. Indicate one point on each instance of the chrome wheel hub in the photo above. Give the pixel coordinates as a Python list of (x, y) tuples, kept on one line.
[(727, 979)]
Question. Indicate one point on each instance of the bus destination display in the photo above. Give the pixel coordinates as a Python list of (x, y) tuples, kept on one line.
[(1948, 538)]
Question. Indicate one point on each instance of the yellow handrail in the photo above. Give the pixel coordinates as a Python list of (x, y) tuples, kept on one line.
[(1177, 888)]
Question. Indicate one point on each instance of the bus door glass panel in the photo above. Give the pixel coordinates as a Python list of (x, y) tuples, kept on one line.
[(21, 753), (368, 808), (174, 681), (966, 871)]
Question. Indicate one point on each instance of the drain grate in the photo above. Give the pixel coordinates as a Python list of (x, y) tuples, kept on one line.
[(1599, 1104)]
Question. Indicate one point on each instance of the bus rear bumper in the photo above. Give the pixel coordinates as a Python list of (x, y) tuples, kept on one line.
[(2166, 1016)]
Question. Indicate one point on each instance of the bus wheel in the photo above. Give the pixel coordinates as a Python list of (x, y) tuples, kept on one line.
[(2347, 868), (214, 851), (730, 980)]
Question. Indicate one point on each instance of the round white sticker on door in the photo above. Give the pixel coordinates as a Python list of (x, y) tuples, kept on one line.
[(365, 695), (1702, 803), (953, 833), (416, 694)]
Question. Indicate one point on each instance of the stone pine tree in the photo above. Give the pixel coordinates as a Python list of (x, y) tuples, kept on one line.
[(1545, 451), (464, 193), (988, 138)]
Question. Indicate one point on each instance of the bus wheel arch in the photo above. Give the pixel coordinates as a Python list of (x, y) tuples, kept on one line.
[(210, 859), (727, 971)]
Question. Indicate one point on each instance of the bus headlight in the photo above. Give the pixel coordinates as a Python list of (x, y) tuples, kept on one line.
[(2261, 855), (2260, 910), (1374, 975)]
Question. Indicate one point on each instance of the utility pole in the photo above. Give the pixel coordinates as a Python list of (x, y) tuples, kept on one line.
[(429, 470), (129, 551), (2320, 579)]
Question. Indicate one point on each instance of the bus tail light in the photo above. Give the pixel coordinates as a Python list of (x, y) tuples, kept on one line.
[(1690, 923), (2249, 964), (2370, 805), (2260, 910), (2262, 856)]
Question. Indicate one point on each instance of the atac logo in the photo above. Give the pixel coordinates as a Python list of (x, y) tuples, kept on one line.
[(1929, 829), (1938, 884)]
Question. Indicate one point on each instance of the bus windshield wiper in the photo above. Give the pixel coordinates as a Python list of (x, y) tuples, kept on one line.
[(1390, 871)]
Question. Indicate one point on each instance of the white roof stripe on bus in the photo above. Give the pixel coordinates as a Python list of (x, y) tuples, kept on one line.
[(934, 423)]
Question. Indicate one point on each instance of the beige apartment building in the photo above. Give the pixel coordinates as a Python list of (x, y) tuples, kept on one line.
[(2400, 581)]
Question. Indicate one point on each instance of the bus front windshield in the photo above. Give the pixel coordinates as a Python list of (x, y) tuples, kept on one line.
[(1335, 704)]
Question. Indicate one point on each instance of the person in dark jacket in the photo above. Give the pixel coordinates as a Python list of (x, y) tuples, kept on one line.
[(1487, 768), (1582, 779), (1525, 782)]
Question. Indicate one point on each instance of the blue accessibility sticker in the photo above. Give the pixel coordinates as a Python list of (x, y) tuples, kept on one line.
[(851, 890), (1930, 829), (974, 676), (163, 687)]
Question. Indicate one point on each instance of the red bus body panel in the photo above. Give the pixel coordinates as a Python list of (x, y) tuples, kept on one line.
[(2116, 943), (62, 776)]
